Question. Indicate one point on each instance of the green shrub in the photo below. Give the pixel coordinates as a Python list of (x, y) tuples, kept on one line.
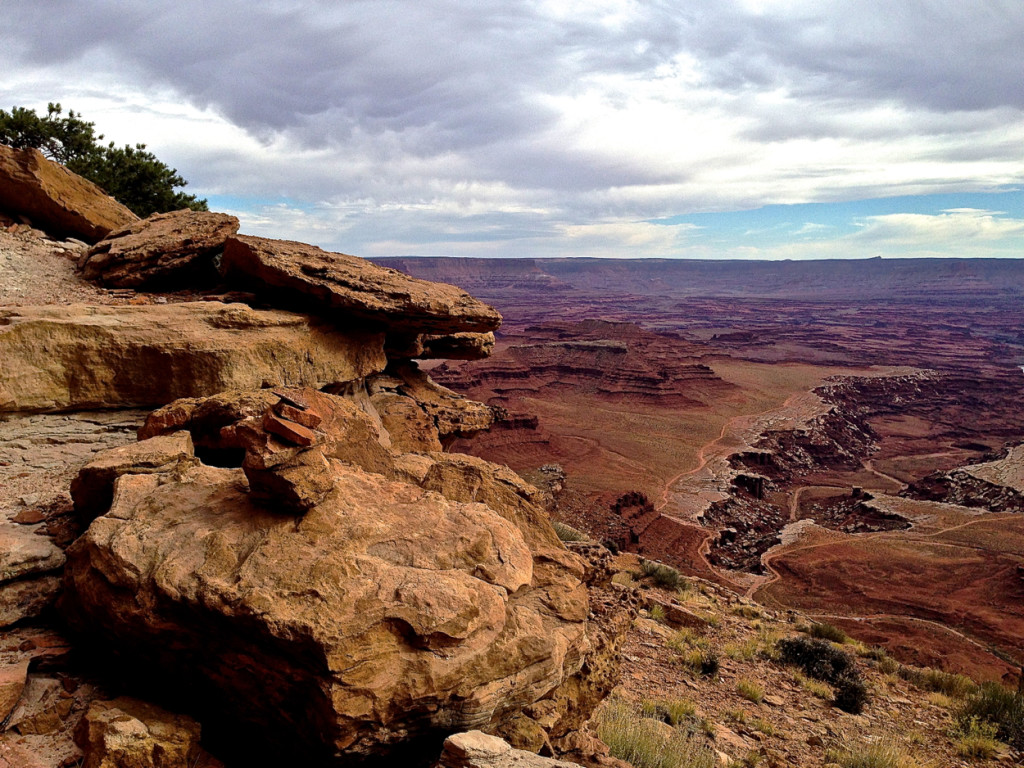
[(976, 739), (826, 631), (568, 533), (992, 703), (662, 575), (957, 686), (643, 743), (750, 691)]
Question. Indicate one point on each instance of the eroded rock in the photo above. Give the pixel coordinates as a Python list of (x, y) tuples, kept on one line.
[(352, 287), (128, 733), (56, 199), (165, 250), (82, 356), (479, 750), (93, 489), (388, 611)]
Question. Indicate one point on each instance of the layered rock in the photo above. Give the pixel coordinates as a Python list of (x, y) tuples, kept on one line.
[(416, 595), (165, 250), (352, 287), (56, 199), (78, 357)]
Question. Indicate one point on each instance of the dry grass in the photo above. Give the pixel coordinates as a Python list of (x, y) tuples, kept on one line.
[(646, 743)]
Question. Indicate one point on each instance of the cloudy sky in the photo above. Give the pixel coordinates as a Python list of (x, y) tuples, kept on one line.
[(692, 128)]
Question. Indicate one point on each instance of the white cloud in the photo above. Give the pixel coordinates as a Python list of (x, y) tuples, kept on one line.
[(543, 125)]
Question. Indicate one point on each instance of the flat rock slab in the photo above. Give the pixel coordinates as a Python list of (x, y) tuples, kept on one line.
[(23, 553), (347, 285), (85, 356), (164, 251), (475, 749), (56, 199)]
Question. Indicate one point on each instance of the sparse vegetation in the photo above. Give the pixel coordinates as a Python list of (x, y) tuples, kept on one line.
[(825, 631), (643, 743), (762, 725), (823, 661), (747, 612), (624, 579), (750, 691), (956, 686), (882, 754), (658, 614), (568, 533), (662, 575), (1003, 708), (975, 739), (674, 712)]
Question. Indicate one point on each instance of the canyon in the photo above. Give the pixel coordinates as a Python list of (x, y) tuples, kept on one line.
[(833, 437)]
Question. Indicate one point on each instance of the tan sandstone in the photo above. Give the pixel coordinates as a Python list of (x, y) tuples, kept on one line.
[(352, 287), (56, 199), (166, 250), (84, 356)]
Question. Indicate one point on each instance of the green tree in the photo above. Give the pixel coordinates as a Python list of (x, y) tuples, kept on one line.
[(132, 175)]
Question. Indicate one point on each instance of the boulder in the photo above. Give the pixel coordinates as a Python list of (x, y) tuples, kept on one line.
[(165, 251), (56, 199), (128, 733), (414, 596), (479, 750), (347, 286), (80, 356), (387, 613)]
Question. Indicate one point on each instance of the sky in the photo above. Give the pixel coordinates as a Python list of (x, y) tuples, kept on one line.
[(694, 128)]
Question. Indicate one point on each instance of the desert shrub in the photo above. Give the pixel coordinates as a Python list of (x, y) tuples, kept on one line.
[(888, 665), (813, 686), (643, 743), (825, 631), (817, 658), (662, 575), (992, 703), (685, 638), (975, 739), (957, 686), (624, 579), (658, 613), (746, 611), (750, 691), (823, 661), (611, 545), (736, 715), (674, 712), (881, 754), (709, 664), (568, 533), (745, 651), (851, 693)]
